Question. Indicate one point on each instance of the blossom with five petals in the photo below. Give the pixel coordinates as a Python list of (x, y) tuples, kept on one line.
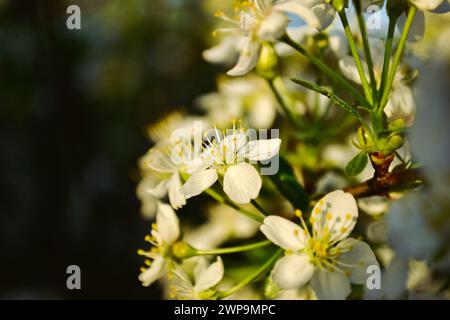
[(227, 157), (325, 257)]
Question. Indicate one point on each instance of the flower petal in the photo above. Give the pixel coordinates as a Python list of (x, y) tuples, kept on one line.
[(168, 223), (153, 273), (248, 58), (158, 161), (260, 150), (292, 271), (330, 285), (199, 182), (184, 289), (176, 197), (210, 277), (426, 5), (200, 267), (273, 26), (242, 183), (348, 68), (263, 112), (401, 104), (325, 14), (335, 214), (283, 233), (360, 257), (301, 10), (150, 186), (225, 52)]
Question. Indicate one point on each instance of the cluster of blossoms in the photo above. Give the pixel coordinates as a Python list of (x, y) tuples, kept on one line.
[(350, 103)]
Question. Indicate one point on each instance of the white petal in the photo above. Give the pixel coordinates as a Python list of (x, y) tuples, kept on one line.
[(199, 182), (330, 285), (302, 10), (200, 267), (248, 58), (337, 212), (273, 26), (260, 150), (168, 223), (150, 186), (182, 283), (225, 52), (283, 233), (426, 5), (158, 161), (233, 144), (242, 183), (292, 271), (401, 104), (360, 257), (153, 273), (263, 113), (211, 276), (348, 68), (176, 197), (325, 13)]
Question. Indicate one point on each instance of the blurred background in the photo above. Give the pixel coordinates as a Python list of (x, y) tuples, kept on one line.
[(73, 109)]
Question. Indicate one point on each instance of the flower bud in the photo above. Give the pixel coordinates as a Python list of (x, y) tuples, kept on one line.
[(395, 8), (394, 143), (267, 62), (397, 125), (339, 5), (364, 138)]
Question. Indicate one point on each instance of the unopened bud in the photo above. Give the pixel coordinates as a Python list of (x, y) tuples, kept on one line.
[(267, 62)]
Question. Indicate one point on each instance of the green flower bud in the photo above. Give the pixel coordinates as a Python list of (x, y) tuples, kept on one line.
[(267, 62), (395, 8), (394, 143), (397, 125), (339, 5), (364, 138)]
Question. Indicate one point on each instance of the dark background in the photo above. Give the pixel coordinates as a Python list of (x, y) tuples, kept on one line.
[(73, 110)]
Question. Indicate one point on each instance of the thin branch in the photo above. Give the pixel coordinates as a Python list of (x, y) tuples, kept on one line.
[(389, 183)]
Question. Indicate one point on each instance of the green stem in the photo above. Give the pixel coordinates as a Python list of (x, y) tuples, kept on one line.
[(282, 103), (387, 54), (260, 208), (251, 277), (328, 71), (223, 200), (398, 55), (359, 66), (366, 45), (234, 249)]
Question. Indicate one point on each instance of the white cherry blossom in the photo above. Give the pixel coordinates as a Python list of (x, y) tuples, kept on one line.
[(325, 257), (165, 232), (228, 157)]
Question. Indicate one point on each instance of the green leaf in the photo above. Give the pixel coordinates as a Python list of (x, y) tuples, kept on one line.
[(289, 187), (333, 98), (356, 165)]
